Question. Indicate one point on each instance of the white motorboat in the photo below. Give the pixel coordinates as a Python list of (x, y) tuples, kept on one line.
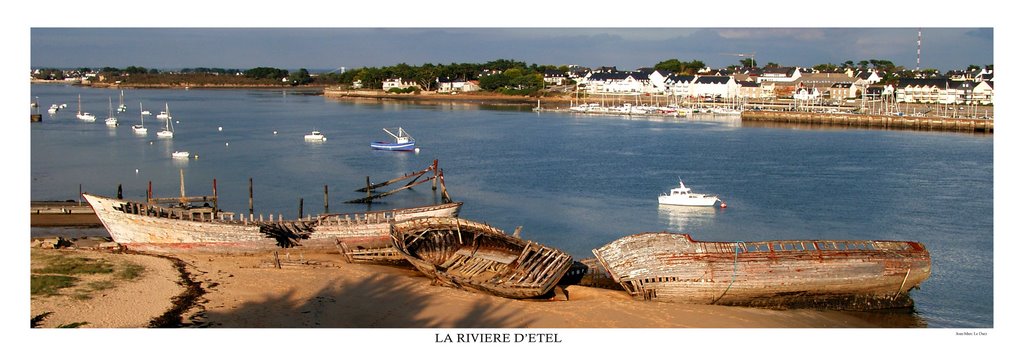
[(315, 136), (166, 114), (180, 154), (684, 196)]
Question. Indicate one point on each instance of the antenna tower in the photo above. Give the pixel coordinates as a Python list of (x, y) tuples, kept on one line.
[(918, 68)]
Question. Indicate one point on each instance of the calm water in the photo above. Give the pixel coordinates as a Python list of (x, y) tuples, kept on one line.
[(572, 182)]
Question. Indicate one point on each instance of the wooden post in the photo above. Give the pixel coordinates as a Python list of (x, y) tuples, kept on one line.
[(326, 205), (368, 190), (250, 195), (300, 208), (181, 174), (119, 195), (149, 192), (215, 209), (277, 260), (80, 191)]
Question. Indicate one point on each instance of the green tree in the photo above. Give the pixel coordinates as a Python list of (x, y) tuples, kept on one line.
[(748, 62), (692, 67), (300, 77), (671, 65)]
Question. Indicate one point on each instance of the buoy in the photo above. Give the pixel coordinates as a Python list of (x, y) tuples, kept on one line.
[(417, 150), (220, 128), (275, 132), (723, 205), (225, 143), (136, 171), (151, 142), (177, 122)]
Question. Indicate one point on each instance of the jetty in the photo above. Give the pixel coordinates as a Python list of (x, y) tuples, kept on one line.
[(869, 120)]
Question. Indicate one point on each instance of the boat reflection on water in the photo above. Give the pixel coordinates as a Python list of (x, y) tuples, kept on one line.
[(683, 218)]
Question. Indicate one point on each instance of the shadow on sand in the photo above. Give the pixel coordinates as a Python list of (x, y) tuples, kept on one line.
[(382, 301)]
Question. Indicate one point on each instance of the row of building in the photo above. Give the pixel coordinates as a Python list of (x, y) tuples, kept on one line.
[(975, 87)]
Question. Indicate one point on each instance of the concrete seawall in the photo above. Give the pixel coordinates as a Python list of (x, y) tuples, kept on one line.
[(877, 121)]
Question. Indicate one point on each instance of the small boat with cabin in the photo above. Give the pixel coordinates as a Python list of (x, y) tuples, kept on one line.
[(684, 196), (402, 142), (180, 154), (315, 136)]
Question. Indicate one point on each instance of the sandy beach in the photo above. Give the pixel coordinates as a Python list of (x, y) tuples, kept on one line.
[(318, 290)]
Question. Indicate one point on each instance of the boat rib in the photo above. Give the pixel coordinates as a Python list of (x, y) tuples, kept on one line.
[(461, 253)]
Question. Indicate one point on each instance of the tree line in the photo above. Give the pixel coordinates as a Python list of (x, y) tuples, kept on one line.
[(502, 75)]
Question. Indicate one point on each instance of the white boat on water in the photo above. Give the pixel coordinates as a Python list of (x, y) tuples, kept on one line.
[(180, 154), (315, 136), (166, 114), (168, 131), (684, 196), (84, 116), (111, 120), (140, 128)]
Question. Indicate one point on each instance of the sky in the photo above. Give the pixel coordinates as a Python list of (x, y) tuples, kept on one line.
[(626, 48)]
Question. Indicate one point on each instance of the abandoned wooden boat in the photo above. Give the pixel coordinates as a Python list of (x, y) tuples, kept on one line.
[(197, 224), (830, 274), (465, 254)]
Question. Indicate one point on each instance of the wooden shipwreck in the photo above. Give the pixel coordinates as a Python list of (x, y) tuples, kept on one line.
[(465, 254), (182, 224), (829, 274)]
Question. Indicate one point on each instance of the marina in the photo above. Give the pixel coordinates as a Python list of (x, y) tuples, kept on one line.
[(575, 182)]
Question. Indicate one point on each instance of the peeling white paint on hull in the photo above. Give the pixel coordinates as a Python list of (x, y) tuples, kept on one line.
[(139, 226)]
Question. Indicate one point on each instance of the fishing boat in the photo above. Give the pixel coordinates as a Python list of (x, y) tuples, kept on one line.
[(684, 196), (168, 131), (315, 136), (829, 274), (461, 253), (180, 154), (111, 120), (141, 127), (402, 142), (195, 223), (84, 116)]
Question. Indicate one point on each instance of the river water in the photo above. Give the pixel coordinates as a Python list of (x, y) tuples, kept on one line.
[(573, 182)]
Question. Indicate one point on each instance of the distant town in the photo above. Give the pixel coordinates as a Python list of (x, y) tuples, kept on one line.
[(823, 84)]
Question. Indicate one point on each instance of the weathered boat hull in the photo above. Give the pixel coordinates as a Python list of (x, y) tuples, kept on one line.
[(465, 254), (367, 237), (139, 226), (849, 275)]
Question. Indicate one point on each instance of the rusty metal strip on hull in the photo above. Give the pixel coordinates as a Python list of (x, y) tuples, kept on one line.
[(855, 275)]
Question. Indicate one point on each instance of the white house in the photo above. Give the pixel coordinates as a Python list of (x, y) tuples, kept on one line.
[(679, 85), (398, 83), (710, 86), (614, 82), (779, 74), (554, 77)]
